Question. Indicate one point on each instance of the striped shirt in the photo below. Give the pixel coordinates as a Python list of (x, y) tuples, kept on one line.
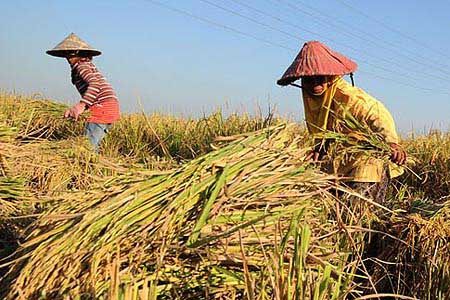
[(96, 92)]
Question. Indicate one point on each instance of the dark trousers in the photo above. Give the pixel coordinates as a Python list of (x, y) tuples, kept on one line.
[(375, 191)]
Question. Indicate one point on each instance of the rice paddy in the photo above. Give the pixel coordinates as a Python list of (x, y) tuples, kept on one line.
[(220, 207)]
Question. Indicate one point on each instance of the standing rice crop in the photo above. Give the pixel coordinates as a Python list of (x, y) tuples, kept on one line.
[(432, 164), (143, 136), (416, 262)]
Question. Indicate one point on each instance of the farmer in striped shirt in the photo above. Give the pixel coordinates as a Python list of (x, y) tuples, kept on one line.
[(96, 93)]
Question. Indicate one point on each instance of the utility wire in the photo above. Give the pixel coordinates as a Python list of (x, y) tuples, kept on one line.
[(392, 29), (296, 37), (312, 32), (401, 82), (286, 22), (219, 25), (262, 40), (378, 41), (233, 12), (420, 63)]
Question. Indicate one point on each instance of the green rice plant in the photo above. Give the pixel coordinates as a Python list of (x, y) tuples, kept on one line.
[(243, 217), (210, 227)]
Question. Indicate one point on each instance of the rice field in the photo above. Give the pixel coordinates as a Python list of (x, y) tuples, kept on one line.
[(219, 207)]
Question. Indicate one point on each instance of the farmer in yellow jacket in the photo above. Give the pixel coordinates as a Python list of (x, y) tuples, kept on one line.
[(327, 97)]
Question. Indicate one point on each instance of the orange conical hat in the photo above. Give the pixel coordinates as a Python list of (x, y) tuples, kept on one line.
[(317, 59), (73, 43)]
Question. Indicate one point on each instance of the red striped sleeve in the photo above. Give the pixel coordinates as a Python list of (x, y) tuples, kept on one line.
[(88, 74), (96, 92)]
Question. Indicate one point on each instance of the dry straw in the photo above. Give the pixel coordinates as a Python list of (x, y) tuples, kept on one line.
[(249, 220)]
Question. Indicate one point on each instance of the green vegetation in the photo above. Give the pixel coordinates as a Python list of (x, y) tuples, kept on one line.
[(214, 208)]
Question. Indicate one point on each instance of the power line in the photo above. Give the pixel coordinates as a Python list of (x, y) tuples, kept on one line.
[(265, 41), (208, 21), (296, 37), (403, 83), (249, 19), (326, 38), (421, 63), (392, 29), (377, 40), (283, 21)]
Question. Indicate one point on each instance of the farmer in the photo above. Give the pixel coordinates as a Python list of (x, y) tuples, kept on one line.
[(327, 99), (97, 95)]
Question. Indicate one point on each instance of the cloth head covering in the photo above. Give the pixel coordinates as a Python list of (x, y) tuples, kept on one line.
[(73, 44), (316, 59), (317, 108)]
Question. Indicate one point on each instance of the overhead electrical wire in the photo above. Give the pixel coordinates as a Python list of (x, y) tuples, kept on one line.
[(265, 41), (228, 10), (401, 82), (392, 29), (421, 63), (219, 25), (376, 40), (326, 38)]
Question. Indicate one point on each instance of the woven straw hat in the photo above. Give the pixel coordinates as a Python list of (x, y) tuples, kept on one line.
[(317, 59), (73, 44)]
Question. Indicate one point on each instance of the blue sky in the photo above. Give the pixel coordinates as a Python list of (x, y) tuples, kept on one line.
[(177, 64)]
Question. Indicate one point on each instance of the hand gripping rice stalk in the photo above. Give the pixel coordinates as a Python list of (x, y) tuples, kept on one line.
[(38, 118)]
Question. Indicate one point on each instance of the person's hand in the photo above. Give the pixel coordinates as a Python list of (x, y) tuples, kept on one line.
[(75, 111), (398, 155), (314, 156), (319, 151)]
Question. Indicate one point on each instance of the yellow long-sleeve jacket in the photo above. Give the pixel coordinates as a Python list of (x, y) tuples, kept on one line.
[(342, 98)]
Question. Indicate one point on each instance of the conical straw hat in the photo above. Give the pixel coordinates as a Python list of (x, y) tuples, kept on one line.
[(71, 44), (317, 59)]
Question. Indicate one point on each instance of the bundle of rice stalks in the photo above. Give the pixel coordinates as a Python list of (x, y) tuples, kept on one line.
[(252, 219), (420, 267), (38, 118)]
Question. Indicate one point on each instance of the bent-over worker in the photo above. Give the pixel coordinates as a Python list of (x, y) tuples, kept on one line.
[(97, 95), (328, 97)]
